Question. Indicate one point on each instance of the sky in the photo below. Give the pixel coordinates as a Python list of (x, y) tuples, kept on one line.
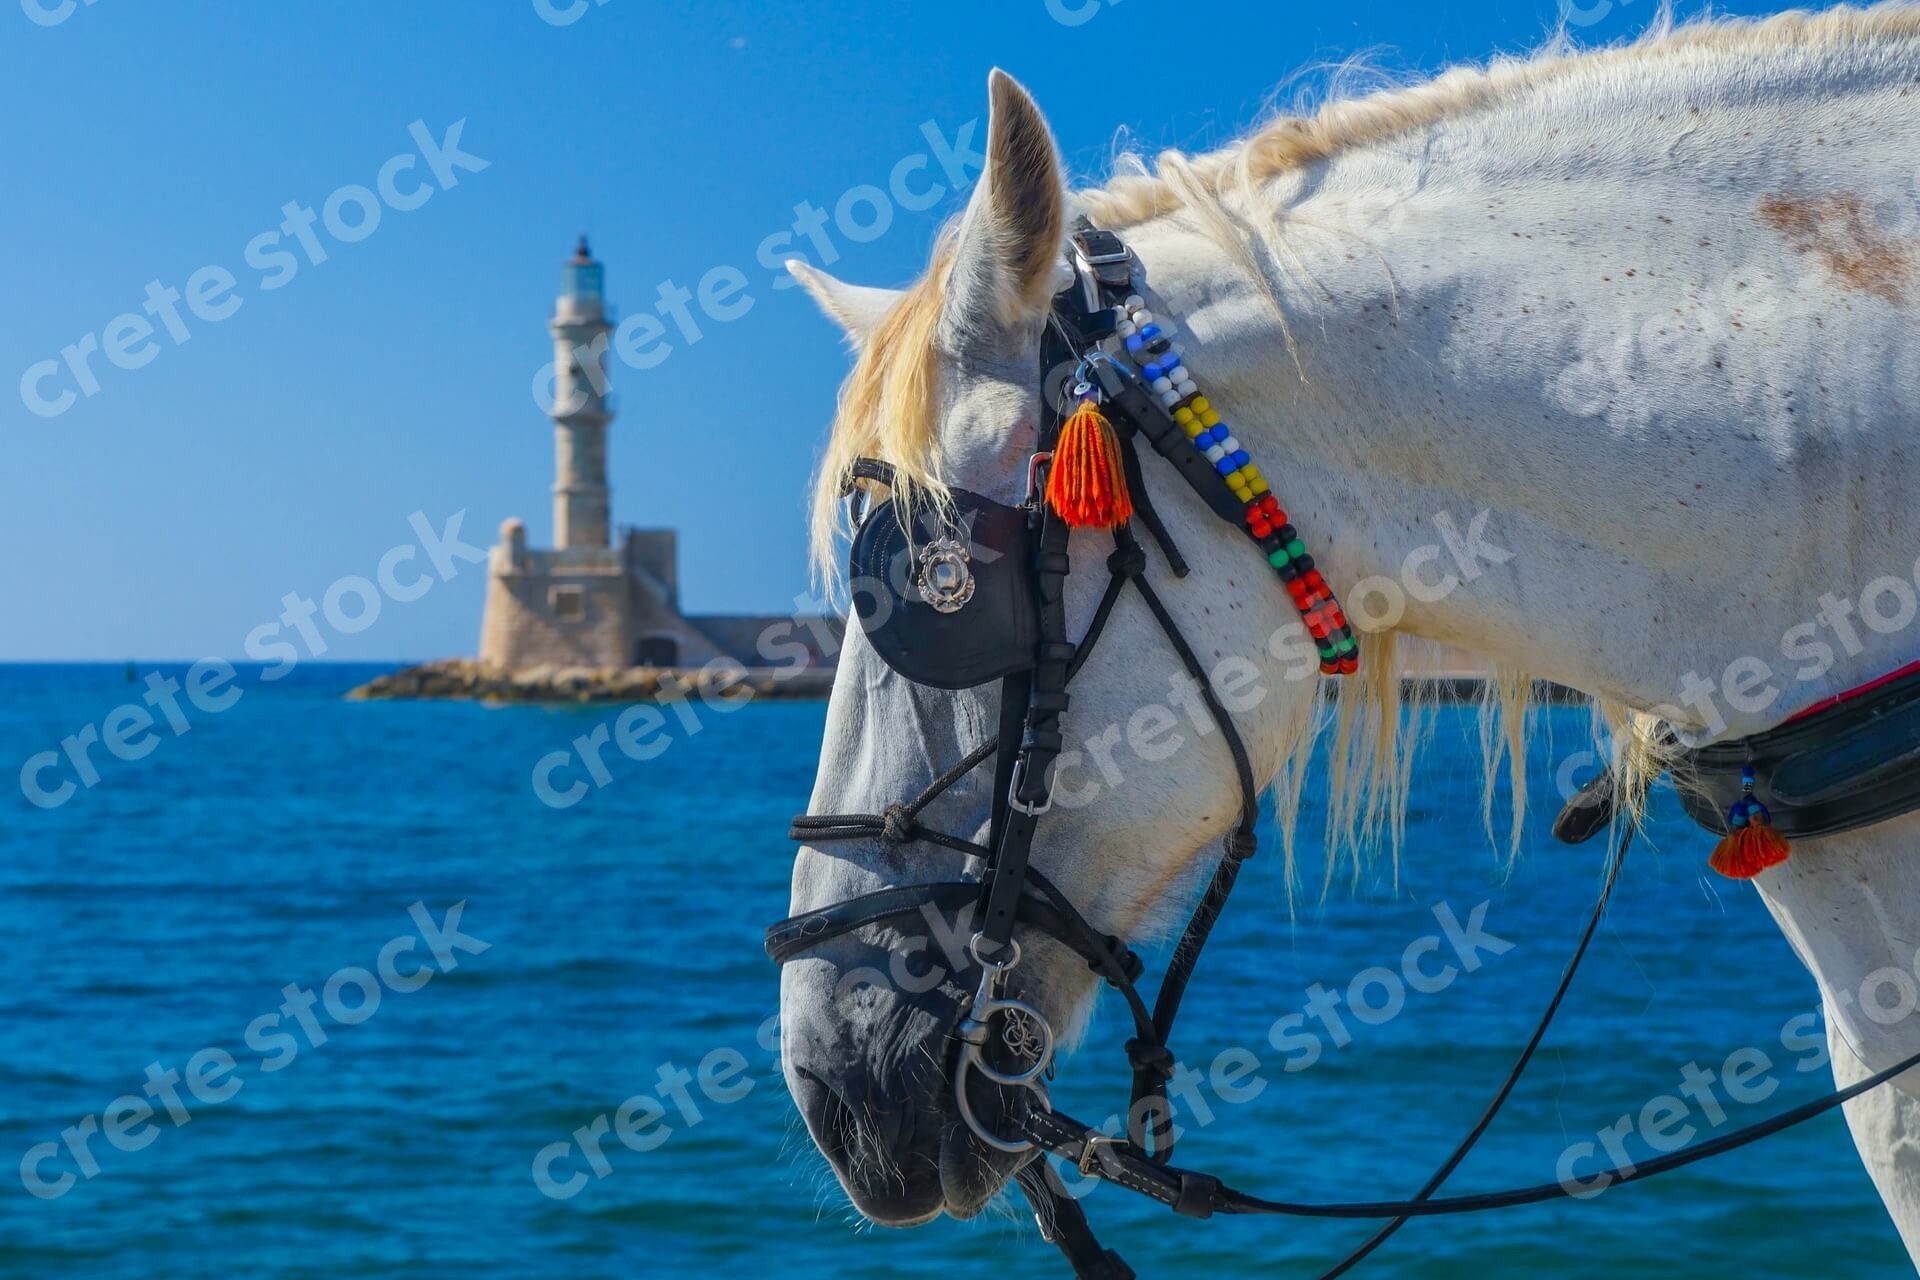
[(290, 413)]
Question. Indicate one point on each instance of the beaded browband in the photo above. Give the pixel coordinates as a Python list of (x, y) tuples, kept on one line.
[(1159, 360), (1088, 485)]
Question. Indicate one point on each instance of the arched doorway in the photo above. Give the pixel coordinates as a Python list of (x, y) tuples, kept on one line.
[(657, 651)]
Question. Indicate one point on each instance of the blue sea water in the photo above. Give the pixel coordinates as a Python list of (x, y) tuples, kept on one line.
[(163, 910)]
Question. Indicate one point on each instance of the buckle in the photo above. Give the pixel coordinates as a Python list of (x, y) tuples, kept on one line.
[(1034, 487), (1104, 257), (1099, 248), (1089, 1161), (1013, 792)]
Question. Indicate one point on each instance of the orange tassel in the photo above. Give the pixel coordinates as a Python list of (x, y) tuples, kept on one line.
[(1087, 484), (1745, 853)]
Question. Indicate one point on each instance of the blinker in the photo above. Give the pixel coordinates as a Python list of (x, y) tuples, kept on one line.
[(954, 605)]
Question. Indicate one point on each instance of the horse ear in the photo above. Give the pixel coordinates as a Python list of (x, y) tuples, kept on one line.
[(857, 308), (1007, 257)]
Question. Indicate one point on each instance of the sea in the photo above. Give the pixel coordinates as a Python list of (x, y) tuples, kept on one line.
[(185, 912)]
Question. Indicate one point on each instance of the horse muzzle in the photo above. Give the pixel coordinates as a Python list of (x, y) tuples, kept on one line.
[(878, 1074)]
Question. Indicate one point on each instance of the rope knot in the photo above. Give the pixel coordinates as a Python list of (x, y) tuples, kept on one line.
[(1153, 1059), (1242, 845), (1127, 561), (1130, 962), (896, 825)]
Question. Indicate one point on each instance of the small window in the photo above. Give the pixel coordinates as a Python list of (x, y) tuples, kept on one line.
[(569, 603)]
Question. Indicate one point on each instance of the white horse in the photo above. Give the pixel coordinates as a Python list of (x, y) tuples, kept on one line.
[(1651, 308)]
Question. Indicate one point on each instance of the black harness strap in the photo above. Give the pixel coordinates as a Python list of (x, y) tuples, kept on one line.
[(1015, 690), (1143, 413), (1121, 565), (1106, 955), (900, 823), (1197, 1195), (1041, 697), (1143, 507), (1063, 1223), (1514, 1073), (1848, 764)]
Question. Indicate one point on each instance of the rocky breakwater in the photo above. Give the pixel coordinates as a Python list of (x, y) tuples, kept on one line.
[(459, 678)]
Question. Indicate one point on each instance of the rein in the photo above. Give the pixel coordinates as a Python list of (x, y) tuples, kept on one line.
[(982, 597)]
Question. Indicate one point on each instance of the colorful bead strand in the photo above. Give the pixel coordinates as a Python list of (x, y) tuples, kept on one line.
[(1160, 363)]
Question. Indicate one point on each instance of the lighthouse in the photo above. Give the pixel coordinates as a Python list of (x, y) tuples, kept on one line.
[(594, 601), (581, 406)]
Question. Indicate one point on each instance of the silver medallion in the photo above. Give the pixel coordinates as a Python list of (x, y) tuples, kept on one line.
[(945, 579)]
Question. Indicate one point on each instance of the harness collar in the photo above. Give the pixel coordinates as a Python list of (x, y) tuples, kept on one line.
[(1844, 763)]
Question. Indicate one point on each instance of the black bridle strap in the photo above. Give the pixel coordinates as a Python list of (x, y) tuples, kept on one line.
[(1108, 955), (1518, 1069), (1105, 954), (1006, 875), (1197, 1195), (1143, 507), (821, 828), (1029, 781), (1063, 1223), (1148, 1051), (1118, 573), (796, 935), (1015, 691), (900, 823), (1151, 1073)]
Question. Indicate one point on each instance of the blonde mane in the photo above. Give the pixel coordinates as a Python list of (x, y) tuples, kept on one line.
[(888, 406), (887, 410)]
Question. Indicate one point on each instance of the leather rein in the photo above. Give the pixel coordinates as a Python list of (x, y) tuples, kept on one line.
[(1879, 740)]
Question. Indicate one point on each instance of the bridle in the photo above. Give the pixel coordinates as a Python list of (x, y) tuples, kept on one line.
[(981, 596)]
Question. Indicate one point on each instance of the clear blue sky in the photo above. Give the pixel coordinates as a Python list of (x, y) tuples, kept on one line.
[(284, 447)]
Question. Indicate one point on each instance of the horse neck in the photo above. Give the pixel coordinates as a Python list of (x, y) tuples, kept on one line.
[(1630, 371)]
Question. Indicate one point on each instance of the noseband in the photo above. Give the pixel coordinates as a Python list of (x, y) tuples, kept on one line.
[(975, 593)]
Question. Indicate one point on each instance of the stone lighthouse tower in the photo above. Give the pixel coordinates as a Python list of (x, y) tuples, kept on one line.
[(591, 602), (581, 408)]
